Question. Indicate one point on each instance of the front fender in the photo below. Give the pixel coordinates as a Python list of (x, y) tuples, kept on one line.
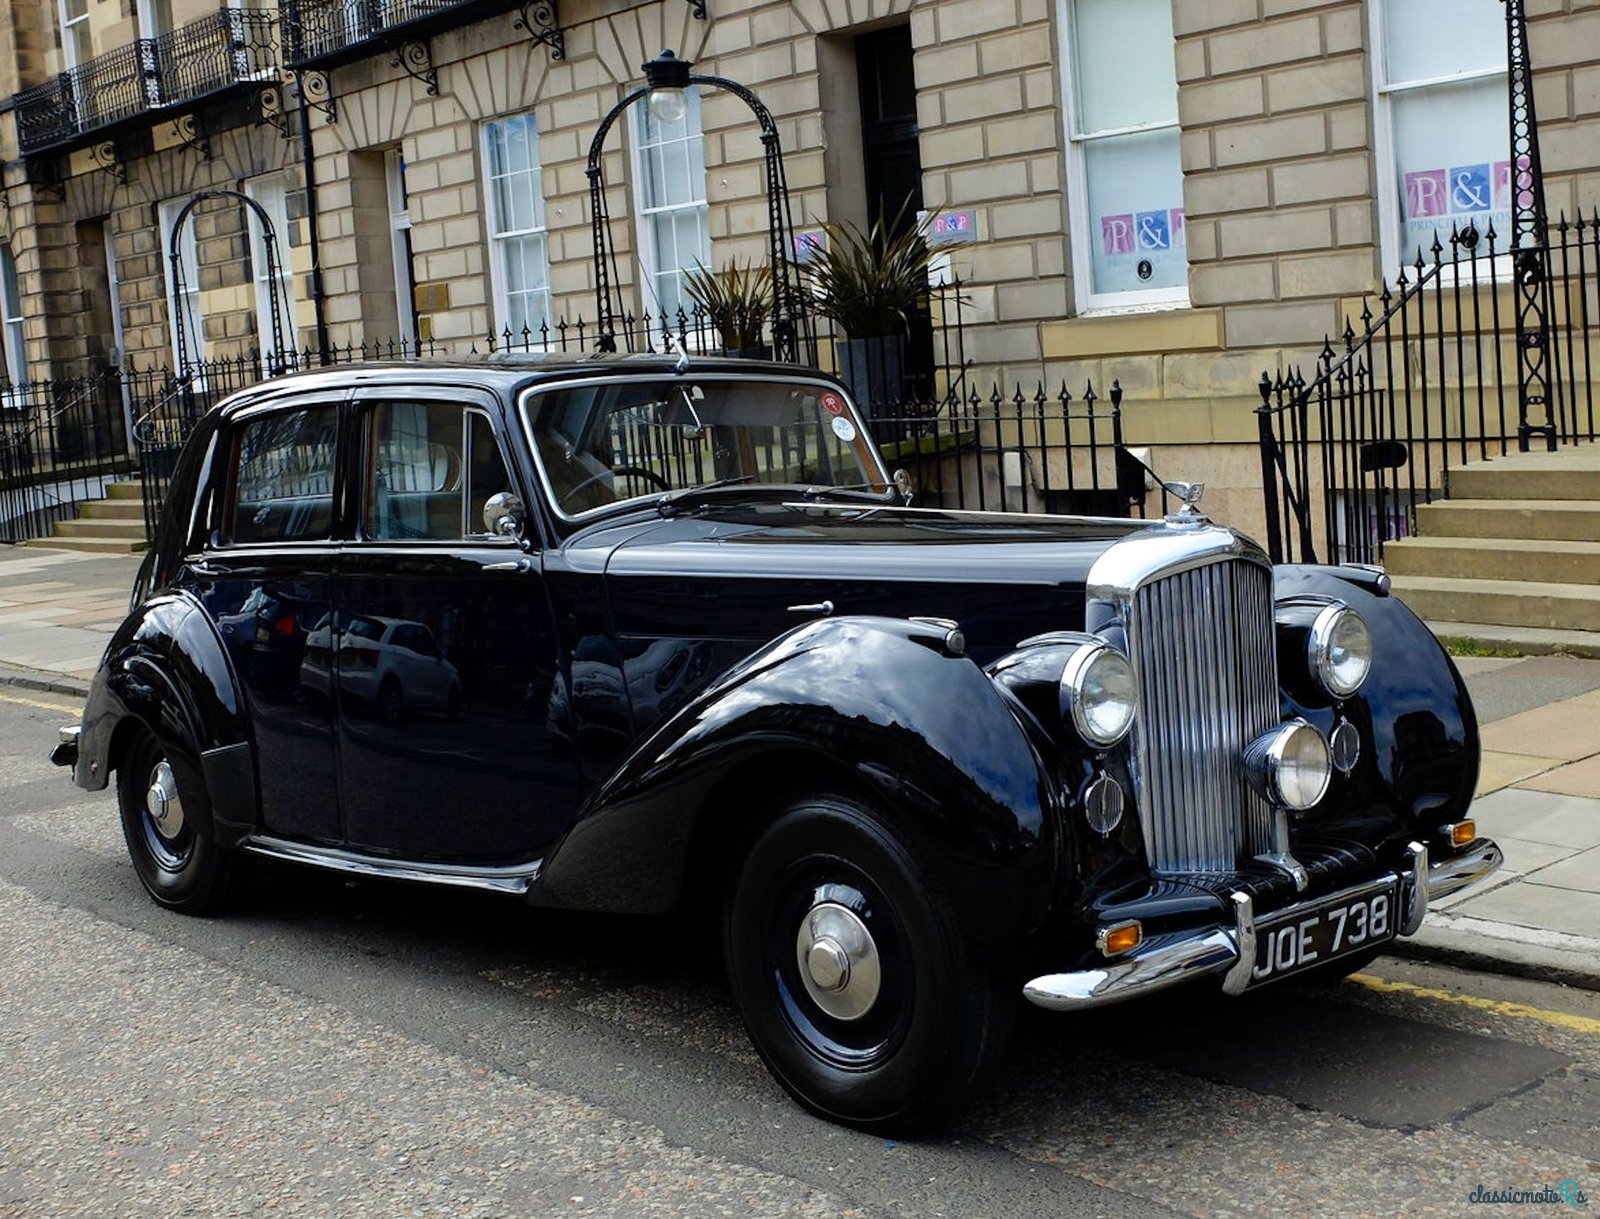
[(1421, 748), (876, 704), (166, 669)]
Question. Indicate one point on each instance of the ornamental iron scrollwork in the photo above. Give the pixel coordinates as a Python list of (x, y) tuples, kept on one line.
[(697, 9), (417, 60), (104, 155), (188, 129), (317, 92), (1529, 243), (542, 20), (269, 110)]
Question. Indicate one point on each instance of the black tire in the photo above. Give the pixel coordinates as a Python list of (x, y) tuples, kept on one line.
[(938, 1024), (391, 703), (177, 861)]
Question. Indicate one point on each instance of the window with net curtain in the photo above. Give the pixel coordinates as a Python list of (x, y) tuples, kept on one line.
[(1128, 175), (519, 260), (1442, 81), (12, 346), (670, 193)]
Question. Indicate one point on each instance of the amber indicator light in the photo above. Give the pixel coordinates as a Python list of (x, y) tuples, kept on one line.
[(1462, 833), (1119, 940)]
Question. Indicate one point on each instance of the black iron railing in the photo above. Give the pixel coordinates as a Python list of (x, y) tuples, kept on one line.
[(320, 32), (59, 442), (1427, 383), (149, 76)]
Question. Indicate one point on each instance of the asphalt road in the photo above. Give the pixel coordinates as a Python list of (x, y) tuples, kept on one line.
[(356, 1049)]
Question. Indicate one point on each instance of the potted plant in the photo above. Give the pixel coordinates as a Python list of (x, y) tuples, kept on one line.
[(736, 300), (869, 284)]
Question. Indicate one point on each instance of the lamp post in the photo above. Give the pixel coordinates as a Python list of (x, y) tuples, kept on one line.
[(667, 78), (1536, 412)]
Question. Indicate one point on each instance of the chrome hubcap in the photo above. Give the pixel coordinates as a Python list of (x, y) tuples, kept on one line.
[(838, 961), (162, 803)]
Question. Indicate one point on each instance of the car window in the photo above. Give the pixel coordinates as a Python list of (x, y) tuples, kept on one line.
[(431, 467), (283, 477), (605, 442)]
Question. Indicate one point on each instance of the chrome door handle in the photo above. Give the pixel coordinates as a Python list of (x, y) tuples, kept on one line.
[(523, 564)]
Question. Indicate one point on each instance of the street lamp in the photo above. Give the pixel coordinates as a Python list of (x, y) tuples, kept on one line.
[(667, 79)]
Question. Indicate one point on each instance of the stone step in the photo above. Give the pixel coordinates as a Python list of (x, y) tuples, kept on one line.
[(1545, 606), (1505, 558), (111, 509), (125, 490), (1522, 640), (105, 527), (1570, 473), (1554, 520), (97, 545)]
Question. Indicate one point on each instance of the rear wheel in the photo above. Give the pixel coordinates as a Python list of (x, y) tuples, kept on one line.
[(177, 861), (853, 976)]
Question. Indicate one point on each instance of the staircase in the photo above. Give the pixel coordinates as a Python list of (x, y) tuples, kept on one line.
[(114, 525), (1512, 559)]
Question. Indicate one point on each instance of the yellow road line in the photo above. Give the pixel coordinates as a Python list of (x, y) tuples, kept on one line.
[(1498, 1007), (69, 709)]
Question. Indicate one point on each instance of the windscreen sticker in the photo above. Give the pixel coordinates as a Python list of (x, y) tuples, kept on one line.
[(833, 404), (844, 429)]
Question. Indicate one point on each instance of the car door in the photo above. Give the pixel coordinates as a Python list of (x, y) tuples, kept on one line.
[(450, 745), (264, 576)]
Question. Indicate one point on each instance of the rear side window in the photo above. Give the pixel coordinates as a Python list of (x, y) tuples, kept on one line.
[(283, 477), (432, 467)]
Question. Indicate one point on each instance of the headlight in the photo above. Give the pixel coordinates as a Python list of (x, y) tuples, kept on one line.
[(1339, 649), (1097, 691), (1290, 765)]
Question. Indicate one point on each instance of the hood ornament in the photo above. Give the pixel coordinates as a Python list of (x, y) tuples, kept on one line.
[(1188, 494)]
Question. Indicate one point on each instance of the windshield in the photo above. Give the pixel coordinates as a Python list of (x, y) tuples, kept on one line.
[(608, 441)]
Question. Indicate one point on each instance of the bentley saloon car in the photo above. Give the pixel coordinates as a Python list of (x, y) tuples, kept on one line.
[(618, 633)]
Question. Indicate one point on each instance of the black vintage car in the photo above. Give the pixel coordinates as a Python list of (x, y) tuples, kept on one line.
[(684, 636)]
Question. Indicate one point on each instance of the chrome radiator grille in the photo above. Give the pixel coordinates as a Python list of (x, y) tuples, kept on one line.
[(1201, 642)]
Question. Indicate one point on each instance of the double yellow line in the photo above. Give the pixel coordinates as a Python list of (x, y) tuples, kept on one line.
[(1498, 1007), (64, 708)]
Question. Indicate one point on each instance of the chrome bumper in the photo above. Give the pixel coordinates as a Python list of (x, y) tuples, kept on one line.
[(1168, 960), (66, 751)]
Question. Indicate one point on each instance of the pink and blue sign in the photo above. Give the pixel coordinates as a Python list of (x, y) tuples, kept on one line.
[(1460, 190), (1142, 233)]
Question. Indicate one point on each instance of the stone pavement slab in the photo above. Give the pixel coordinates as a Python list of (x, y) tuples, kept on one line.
[(1577, 779)]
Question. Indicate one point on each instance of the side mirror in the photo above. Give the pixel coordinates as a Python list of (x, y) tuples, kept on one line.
[(902, 484), (504, 515)]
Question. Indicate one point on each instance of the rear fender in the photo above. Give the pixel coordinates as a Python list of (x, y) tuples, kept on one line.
[(877, 705), (166, 669)]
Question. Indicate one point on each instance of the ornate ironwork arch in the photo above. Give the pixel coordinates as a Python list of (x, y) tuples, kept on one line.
[(791, 329), (275, 360)]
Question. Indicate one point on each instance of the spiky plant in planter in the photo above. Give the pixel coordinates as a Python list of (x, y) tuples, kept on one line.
[(737, 300)]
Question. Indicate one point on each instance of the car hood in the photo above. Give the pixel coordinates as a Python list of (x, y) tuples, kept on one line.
[(745, 572)]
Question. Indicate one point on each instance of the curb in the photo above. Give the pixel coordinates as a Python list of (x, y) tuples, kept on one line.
[(45, 682), (1500, 948)]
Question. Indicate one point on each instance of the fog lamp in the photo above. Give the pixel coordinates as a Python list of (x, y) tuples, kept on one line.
[(1102, 804), (1291, 765), (1119, 938)]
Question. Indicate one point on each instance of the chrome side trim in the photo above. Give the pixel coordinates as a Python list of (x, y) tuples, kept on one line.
[(515, 879), (1477, 863)]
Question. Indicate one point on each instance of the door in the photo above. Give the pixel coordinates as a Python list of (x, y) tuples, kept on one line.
[(266, 579), (445, 656)]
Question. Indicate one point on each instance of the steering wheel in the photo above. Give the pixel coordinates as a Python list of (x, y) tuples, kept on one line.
[(619, 472)]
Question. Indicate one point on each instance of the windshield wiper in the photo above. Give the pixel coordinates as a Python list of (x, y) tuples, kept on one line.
[(866, 491), (666, 503)]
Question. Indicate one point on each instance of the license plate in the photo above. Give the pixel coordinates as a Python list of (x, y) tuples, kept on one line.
[(1324, 931)]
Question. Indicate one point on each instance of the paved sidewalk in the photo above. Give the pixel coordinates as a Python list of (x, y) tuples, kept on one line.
[(1539, 790)]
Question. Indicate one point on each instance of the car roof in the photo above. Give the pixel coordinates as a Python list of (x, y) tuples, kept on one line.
[(505, 373)]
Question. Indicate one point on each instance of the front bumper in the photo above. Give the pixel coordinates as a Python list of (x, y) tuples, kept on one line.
[(1230, 950), (66, 751)]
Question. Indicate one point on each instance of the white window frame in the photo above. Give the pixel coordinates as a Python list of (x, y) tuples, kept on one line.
[(405, 284), (1080, 223), (69, 34), (272, 192), (1387, 179), (12, 319), (650, 262), (194, 319), (497, 236)]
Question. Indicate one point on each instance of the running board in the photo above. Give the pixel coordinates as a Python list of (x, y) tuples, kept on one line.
[(516, 879)]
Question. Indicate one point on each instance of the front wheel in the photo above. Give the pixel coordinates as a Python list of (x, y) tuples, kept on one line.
[(853, 976), (177, 861)]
